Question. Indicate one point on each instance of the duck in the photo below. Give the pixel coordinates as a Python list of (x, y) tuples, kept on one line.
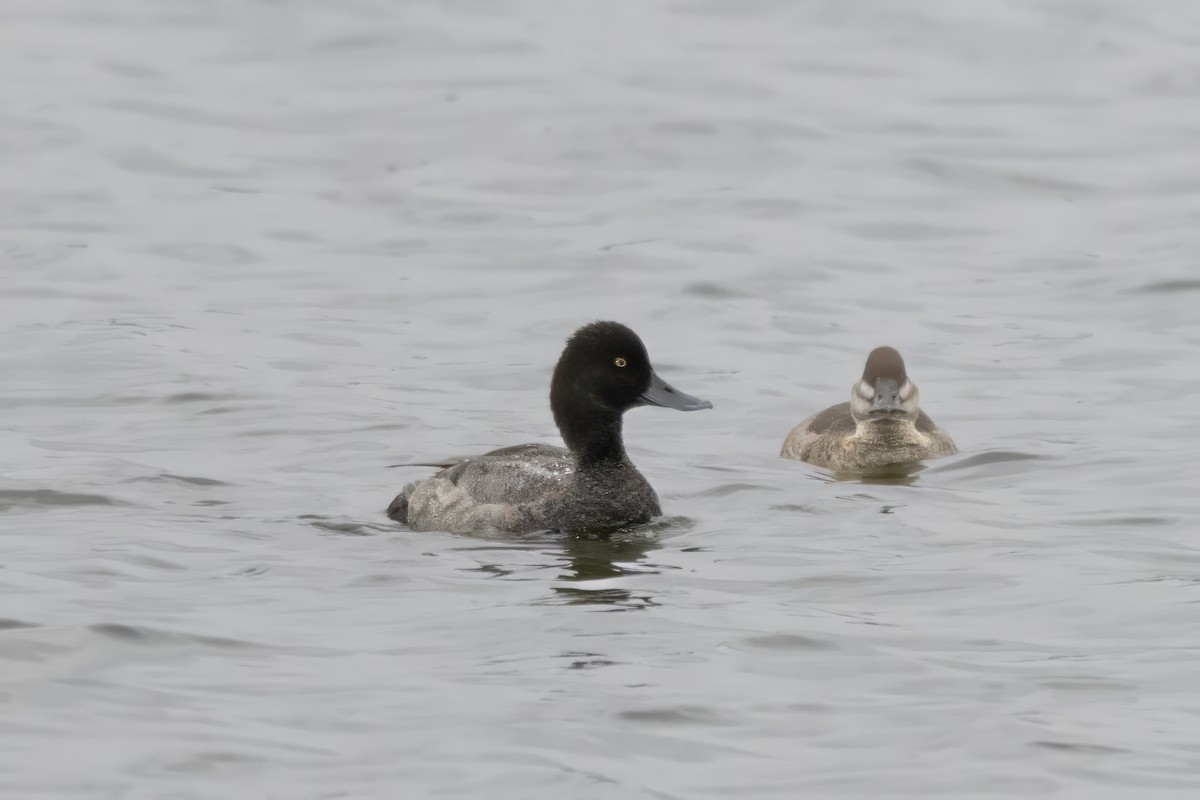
[(881, 426), (591, 484)]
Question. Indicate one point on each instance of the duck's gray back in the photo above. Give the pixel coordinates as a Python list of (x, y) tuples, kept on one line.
[(526, 488), (497, 490)]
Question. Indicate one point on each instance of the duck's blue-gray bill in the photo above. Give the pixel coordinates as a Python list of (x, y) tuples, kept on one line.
[(887, 396), (663, 394)]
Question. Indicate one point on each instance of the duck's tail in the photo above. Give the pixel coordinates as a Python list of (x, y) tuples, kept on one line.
[(398, 509)]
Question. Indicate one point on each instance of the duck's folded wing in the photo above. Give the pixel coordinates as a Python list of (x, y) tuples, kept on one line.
[(824, 426), (836, 419), (441, 463), (521, 474)]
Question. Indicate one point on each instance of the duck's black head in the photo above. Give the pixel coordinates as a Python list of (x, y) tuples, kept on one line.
[(603, 372)]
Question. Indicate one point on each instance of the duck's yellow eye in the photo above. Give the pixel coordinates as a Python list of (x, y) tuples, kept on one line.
[(619, 361)]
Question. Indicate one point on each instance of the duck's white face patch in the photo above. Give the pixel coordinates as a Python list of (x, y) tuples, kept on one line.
[(910, 399), (862, 401), (862, 396)]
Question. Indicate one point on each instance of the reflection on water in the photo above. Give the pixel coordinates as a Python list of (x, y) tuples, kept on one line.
[(593, 563), (587, 567), (891, 475), (907, 474)]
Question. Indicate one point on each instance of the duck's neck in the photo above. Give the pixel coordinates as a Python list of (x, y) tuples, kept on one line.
[(594, 436)]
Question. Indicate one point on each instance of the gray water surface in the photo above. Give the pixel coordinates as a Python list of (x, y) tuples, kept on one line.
[(251, 253)]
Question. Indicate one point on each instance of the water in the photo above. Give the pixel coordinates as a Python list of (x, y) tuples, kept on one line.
[(252, 253)]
